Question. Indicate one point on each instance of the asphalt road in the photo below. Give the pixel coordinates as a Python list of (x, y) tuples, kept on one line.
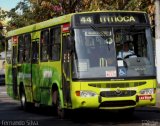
[(12, 115)]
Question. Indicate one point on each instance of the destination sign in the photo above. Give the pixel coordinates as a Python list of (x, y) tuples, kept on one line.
[(111, 18), (118, 19)]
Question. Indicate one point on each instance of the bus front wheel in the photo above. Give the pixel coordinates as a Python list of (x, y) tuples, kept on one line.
[(60, 111)]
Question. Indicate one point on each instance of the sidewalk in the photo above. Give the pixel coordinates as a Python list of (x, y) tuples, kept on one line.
[(158, 97), (158, 85)]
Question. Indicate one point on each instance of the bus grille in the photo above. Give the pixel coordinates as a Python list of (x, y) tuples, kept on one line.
[(124, 93), (118, 103), (115, 85)]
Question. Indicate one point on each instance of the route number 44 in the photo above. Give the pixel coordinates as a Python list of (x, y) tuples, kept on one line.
[(86, 20)]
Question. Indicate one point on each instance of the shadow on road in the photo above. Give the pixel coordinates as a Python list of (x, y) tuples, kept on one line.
[(82, 117), (103, 117), (11, 110), (97, 117)]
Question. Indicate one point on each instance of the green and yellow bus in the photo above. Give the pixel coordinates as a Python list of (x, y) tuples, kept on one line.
[(72, 62)]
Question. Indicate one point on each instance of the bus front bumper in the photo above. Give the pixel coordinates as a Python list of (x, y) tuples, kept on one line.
[(99, 102), (95, 95)]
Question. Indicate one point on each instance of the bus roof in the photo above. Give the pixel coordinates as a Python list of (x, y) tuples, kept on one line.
[(55, 21), (116, 11), (41, 25)]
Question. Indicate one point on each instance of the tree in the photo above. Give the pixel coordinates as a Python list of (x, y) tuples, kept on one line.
[(132, 5), (46, 9), (2, 33), (20, 15), (33, 11)]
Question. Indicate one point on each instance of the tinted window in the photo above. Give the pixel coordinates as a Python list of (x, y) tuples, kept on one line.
[(44, 45), (20, 49), (27, 52), (8, 51), (35, 51), (55, 38)]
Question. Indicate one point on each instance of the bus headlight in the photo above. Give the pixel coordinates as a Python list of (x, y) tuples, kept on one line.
[(147, 91), (86, 94)]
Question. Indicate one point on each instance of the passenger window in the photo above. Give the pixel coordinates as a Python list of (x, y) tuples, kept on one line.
[(20, 49), (35, 50), (27, 52), (8, 50), (44, 45), (55, 39)]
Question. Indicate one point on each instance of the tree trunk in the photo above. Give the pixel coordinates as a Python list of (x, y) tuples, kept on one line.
[(157, 35)]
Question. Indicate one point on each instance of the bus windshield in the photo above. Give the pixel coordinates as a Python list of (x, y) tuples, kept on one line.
[(98, 52)]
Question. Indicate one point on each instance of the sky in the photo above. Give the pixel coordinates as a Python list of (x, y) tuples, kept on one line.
[(8, 4)]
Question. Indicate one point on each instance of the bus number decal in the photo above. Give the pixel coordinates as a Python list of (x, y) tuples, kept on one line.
[(86, 20)]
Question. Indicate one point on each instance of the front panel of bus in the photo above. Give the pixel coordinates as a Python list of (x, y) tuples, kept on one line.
[(103, 77)]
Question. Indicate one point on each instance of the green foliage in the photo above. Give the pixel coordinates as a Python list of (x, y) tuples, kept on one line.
[(28, 12), (2, 14), (20, 15), (2, 38)]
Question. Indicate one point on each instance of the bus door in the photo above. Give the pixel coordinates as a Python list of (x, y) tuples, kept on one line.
[(14, 70), (35, 70), (27, 66), (66, 70)]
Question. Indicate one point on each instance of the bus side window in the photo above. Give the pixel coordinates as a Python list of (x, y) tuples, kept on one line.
[(8, 50), (55, 40), (27, 52), (35, 51), (44, 45), (20, 49)]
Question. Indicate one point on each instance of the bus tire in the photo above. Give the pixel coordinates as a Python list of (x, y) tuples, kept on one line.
[(61, 112), (54, 102), (23, 99)]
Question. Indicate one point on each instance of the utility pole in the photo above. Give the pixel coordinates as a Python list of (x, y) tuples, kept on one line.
[(157, 35)]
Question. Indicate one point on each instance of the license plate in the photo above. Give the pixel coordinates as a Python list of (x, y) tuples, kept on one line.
[(145, 97)]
